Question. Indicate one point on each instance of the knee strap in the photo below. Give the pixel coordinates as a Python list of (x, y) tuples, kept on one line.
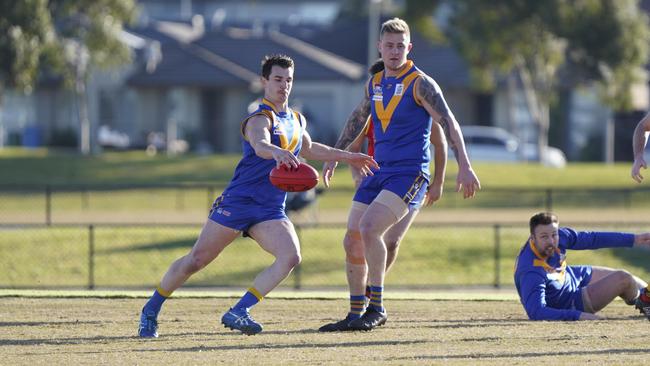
[(354, 235), (355, 260)]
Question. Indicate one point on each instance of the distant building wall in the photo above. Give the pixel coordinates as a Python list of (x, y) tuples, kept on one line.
[(327, 106), (462, 104)]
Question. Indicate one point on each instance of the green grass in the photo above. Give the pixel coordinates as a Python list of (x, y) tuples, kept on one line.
[(42, 166), (102, 187), (137, 256)]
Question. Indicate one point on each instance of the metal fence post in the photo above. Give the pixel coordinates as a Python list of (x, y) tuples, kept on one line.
[(48, 205), (91, 257), (549, 200), (296, 271), (497, 256)]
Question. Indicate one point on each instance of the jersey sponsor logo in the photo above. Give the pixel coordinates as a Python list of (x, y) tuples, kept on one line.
[(399, 89), (377, 90), (221, 211), (278, 131), (378, 98)]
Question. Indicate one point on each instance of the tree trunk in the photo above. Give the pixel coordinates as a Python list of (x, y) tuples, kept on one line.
[(539, 110), (84, 121), (2, 126)]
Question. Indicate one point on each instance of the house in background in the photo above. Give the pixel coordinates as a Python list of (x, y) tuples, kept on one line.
[(196, 71), (205, 85)]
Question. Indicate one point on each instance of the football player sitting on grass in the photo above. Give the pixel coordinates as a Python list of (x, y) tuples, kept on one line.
[(549, 289)]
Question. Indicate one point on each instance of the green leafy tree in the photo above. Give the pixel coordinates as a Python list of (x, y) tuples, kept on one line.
[(546, 43), (63, 37), (418, 13)]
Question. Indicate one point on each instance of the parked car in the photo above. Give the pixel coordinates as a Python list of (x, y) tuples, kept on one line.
[(486, 143), (109, 138)]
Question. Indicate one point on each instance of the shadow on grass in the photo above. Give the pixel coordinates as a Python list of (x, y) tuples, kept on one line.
[(158, 246), (242, 277), (508, 354), (636, 257), (39, 324), (63, 341), (260, 346)]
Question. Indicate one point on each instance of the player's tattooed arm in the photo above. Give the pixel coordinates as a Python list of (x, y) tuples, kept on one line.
[(428, 93), (355, 124), (434, 102)]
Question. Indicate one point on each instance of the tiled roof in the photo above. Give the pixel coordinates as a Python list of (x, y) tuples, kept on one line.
[(441, 62), (232, 57)]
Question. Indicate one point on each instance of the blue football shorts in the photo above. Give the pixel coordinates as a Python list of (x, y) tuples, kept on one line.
[(582, 275), (410, 187), (241, 213)]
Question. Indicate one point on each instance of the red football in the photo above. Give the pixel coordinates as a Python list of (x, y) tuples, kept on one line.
[(299, 179)]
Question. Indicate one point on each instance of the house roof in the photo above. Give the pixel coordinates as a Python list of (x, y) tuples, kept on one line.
[(441, 62), (232, 56), (180, 66), (247, 48)]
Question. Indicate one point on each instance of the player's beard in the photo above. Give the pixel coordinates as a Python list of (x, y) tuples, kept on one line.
[(549, 250), (395, 66)]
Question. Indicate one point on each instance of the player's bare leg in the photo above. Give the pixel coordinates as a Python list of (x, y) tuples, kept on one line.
[(278, 237), (211, 241), (607, 283), (355, 268), (386, 210), (394, 236)]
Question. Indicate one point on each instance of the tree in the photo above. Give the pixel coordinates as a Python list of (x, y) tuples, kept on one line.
[(418, 13), (62, 37), (546, 43)]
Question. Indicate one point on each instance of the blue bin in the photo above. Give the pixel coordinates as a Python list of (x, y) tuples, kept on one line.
[(32, 137)]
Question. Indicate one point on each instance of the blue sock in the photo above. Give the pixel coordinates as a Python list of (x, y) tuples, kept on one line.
[(376, 293), (250, 298), (357, 303), (155, 302)]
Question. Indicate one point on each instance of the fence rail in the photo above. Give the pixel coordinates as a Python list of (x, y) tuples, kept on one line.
[(51, 204), (135, 255)]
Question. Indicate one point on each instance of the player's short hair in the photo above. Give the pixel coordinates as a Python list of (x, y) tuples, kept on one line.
[(395, 25), (542, 218), (269, 61), (376, 67)]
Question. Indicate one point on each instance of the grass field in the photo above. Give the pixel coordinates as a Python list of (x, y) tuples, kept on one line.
[(135, 236), (42, 166), (109, 187), (45, 331), (137, 256)]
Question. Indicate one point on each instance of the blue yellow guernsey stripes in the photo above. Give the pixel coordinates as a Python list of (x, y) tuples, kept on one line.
[(548, 288), (251, 177), (402, 127), (414, 189)]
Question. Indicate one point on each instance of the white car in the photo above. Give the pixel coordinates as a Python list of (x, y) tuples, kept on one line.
[(486, 143), (106, 137)]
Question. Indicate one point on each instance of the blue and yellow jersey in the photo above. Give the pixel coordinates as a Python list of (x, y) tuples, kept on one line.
[(402, 127), (251, 177), (548, 288)]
